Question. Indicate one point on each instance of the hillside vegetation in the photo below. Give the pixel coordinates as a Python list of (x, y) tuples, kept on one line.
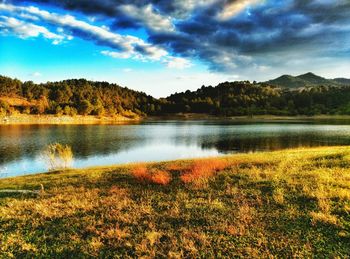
[(72, 97), (245, 98), (306, 80), (293, 203)]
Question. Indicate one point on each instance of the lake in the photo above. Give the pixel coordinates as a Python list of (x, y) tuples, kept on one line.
[(21, 146)]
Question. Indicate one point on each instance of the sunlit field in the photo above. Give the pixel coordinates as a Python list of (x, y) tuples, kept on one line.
[(286, 203)]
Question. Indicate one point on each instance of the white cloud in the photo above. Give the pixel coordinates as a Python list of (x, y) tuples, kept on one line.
[(27, 30), (178, 63), (147, 15), (235, 7), (128, 46), (153, 53), (28, 16), (149, 53), (184, 8), (36, 74), (115, 54)]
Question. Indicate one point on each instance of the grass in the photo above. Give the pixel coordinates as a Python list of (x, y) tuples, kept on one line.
[(293, 203)]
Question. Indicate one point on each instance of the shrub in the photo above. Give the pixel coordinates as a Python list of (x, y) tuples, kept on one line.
[(58, 156), (141, 173), (4, 108), (85, 107), (59, 110), (2, 112), (160, 177), (202, 170)]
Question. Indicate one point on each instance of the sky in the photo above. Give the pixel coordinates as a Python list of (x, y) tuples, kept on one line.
[(162, 47)]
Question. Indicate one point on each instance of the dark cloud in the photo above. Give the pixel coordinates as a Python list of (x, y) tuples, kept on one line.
[(273, 26)]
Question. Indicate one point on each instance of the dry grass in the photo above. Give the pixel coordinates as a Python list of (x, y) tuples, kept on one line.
[(201, 170), (156, 176), (58, 156), (293, 203)]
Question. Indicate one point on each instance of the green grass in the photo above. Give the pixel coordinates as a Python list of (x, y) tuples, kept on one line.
[(283, 204)]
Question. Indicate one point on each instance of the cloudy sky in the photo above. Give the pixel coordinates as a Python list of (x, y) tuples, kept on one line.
[(163, 46)]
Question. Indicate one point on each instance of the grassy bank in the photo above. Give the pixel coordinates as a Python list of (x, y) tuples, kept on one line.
[(286, 203), (62, 119), (91, 119)]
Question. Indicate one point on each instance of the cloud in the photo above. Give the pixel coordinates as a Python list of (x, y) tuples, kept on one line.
[(148, 16), (36, 74), (127, 45), (178, 63), (227, 35), (234, 7), (114, 54), (27, 30)]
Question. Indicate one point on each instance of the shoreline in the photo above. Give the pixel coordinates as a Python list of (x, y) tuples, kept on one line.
[(234, 156), (22, 119)]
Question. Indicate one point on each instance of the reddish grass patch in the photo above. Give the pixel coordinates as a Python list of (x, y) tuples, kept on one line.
[(203, 169), (160, 177), (174, 166), (141, 173)]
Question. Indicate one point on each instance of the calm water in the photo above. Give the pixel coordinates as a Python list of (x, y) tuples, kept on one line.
[(21, 146)]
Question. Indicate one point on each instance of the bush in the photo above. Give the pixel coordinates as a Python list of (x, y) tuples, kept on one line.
[(4, 108), (202, 170), (85, 107), (58, 156), (141, 173)]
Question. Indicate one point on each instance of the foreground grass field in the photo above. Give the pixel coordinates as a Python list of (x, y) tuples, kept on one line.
[(288, 203)]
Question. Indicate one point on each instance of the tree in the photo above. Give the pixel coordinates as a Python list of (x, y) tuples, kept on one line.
[(85, 107)]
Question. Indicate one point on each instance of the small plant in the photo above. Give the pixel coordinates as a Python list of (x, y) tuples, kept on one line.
[(141, 173), (160, 177), (278, 196), (58, 156), (202, 170)]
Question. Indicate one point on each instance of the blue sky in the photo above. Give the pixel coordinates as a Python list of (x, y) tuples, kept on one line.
[(161, 47)]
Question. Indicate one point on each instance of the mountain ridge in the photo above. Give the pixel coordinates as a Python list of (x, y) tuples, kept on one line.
[(308, 79)]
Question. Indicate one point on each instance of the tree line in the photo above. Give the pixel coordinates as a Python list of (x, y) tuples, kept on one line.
[(245, 98), (80, 96), (76, 96)]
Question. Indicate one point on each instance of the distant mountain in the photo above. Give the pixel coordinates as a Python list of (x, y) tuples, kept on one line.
[(306, 80), (313, 79), (344, 81), (287, 81)]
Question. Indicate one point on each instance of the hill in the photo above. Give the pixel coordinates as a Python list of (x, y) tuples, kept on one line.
[(287, 81), (306, 80), (71, 97), (245, 98), (343, 81)]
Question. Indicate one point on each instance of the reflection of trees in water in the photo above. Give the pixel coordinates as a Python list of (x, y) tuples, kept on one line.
[(270, 143), (87, 140), (28, 141)]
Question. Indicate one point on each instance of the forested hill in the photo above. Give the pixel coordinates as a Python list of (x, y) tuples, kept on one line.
[(84, 97), (245, 98), (306, 80), (71, 97)]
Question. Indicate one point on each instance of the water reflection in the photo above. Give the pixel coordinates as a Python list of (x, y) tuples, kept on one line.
[(20, 145)]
